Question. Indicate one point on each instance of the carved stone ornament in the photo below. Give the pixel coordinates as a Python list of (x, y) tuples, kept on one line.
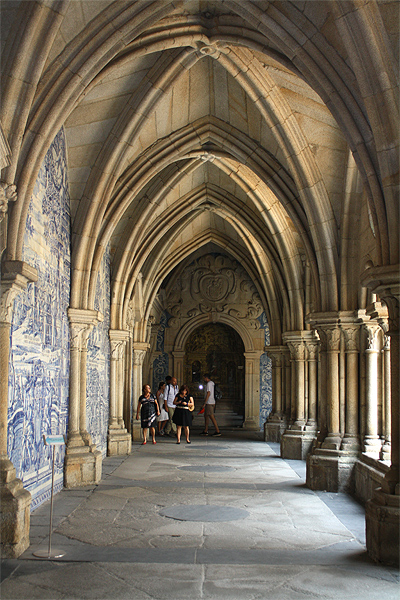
[(117, 347), (351, 337), (8, 194), (77, 339), (312, 350), (332, 338), (138, 357), (130, 316), (215, 284), (297, 349), (372, 330)]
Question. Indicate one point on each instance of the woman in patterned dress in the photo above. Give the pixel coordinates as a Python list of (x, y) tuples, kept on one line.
[(149, 411)]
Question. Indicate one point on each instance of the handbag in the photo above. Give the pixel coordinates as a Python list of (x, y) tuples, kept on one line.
[(191, 404)]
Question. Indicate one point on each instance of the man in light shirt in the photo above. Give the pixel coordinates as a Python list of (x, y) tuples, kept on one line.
[(170, 392), (209, 406)]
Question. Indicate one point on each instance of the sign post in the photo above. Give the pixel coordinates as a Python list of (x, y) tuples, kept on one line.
[(51, 440)]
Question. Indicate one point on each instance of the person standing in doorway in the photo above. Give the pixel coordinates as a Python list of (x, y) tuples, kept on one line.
[(170, 393), (209, 406)]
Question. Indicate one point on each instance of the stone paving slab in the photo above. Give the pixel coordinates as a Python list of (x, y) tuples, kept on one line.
[(293, 544)]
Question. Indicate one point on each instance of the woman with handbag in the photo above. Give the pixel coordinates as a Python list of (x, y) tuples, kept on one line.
[(149, 411), (184, 406)]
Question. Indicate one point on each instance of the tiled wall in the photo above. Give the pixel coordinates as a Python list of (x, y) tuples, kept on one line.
[(265, 376), (98, 362), (39, 348)]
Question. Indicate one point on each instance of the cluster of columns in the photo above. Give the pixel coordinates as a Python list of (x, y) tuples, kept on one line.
[(293, 420), (336, 403)]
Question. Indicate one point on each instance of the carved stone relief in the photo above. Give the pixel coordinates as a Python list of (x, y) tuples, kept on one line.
[(215, 284)]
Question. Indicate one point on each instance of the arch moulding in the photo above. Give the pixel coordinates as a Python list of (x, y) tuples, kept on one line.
[(252, 356)]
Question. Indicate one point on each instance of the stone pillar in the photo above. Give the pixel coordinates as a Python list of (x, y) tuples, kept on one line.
[(178, 370), (296, 441), (386, 448), (332, 336), (351, 438), (119, 441), (276, 422), (252, 390), (312, 348), (383, 510), (15, 500), (328, 467), (83, 461), (372, 442), (139, 352)]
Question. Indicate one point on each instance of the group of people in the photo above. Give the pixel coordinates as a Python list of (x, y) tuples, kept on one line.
[(172, 408)]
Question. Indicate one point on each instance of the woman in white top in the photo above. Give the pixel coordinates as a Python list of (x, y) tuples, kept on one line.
[(163, 418)]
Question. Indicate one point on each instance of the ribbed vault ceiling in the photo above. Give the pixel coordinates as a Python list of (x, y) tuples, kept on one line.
[(195, 123)]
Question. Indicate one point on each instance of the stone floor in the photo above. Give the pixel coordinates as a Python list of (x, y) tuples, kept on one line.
[(272, 539)]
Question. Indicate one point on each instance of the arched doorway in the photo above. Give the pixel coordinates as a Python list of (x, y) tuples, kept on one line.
[(218, 349)]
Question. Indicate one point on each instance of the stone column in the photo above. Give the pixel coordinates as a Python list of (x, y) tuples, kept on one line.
[(332, 336), (15, 500), (297, 351), (139, 352), (83, 461), (276, 422), (178, 370), (252, 390), (386, 448), (296, 441), (327, 469), (312, 348), (351, 438), (383, 510), (372, 442), (119, 441)]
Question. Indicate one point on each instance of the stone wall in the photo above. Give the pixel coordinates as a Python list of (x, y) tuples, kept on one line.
[(39, 341)]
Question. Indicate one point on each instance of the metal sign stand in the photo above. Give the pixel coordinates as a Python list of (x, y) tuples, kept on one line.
[(51, 440)]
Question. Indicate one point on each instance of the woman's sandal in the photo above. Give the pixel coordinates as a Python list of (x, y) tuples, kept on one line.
[(144, 443), (188, 442), (154, 442), (178, 442)]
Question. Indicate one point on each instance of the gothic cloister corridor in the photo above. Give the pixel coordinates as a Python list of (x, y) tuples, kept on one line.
[(192, 187), (290, 543)]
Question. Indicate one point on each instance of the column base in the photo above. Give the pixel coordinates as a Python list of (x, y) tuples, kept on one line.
[(372, 445), (351, 443), (382, 515), (330, 470), (333, 441), (252, 424), (119, 442), (274, 428), (15, 512), (297, 444), (82, 466), (137, 432), (386, 451)]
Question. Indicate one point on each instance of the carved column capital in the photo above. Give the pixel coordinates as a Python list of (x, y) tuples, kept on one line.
[(312, 348), (297, 349), (81, 323), (351, 337), (372, 330), (276, 354), (16, 275), (138, 357), (8, 193)]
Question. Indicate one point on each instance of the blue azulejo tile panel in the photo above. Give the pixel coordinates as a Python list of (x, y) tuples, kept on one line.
[(160, 369), (265, 375), (39, 338), (266, 388), (98, 362)]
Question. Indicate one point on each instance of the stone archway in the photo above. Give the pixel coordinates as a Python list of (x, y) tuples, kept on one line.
[(218, 349), (253, 349)]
